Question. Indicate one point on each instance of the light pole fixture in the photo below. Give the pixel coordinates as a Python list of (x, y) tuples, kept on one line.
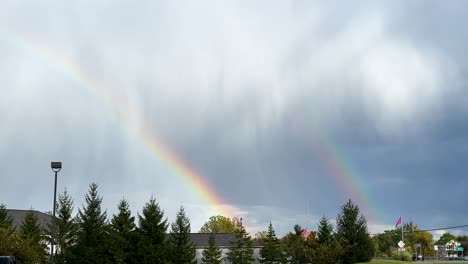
[(56, 167)]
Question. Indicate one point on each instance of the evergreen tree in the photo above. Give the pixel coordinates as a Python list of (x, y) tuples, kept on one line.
[(152, 229), (271, 251), (122, 234), (31, 233), (295, 244), (353, 235), (11, 244), (5, 220), (65, 233), (181, 245), (241, 251), (212, 254), (325, 231), (92, 236)]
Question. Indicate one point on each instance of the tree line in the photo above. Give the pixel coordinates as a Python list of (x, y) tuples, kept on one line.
[(386, 242), (89, 237)]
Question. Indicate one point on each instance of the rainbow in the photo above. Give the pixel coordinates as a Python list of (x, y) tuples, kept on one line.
[(329, 154), (344, 175), (130, 120)]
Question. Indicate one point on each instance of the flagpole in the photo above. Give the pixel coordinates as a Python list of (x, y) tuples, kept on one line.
[(402, 231)]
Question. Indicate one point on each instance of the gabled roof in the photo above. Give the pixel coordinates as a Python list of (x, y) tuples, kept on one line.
[(19, 215)]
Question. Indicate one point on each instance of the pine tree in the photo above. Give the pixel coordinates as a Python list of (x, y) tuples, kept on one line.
[(353, 235), (271, 251), (152, 229), (31, 233), (181, 245), (325, 231), (241, 251), (66, 227), (122, 233), (91, 243), (212, 254), (12, 244), (5, 220)]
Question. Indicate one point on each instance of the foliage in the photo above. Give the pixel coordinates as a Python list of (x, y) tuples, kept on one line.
[(295, 245), (152, 231), (31, 233), (353, 235), (241, 251), (12, 244), (122, 232), (446, 237), (326, 252), (401, 255), (181, 246), (272, 252), (325, 231), (212, 254), (5, 220), (92, 235), (387, 242), (414, 235), (66, 227), (220, 224), (260, 235)]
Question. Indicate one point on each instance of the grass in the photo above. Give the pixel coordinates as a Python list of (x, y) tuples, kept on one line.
[(385, 261)]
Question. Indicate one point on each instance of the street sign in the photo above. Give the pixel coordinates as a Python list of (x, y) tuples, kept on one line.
[(401, 244), (460, 249), (436, 247)]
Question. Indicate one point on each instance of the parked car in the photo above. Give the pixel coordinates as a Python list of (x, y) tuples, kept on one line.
[(417, 257), (7, 260)]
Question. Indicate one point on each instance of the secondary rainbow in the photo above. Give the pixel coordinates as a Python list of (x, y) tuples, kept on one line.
[(344, 175)]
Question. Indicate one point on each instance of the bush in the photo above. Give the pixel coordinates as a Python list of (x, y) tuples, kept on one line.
[(328, 252), (401, 255)]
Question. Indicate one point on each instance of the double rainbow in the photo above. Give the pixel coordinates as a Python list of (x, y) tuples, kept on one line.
[(345, 178)]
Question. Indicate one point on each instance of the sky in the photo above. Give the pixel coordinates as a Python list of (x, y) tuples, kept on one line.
[(280, 110)]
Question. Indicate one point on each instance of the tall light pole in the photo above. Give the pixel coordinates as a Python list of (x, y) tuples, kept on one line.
[(56, 167)]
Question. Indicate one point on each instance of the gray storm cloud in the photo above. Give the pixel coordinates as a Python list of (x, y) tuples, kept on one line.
[(213, 80)]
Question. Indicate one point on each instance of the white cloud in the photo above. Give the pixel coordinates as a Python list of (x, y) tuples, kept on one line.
[(456, 232), (378, 228)]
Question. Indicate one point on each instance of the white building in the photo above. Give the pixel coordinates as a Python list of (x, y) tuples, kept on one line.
[(223, 241)]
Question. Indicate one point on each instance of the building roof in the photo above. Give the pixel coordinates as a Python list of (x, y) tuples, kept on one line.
[(222, 239), (19, 215)]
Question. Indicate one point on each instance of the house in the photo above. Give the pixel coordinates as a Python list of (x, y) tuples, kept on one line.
[(452, 250), (223, 241)]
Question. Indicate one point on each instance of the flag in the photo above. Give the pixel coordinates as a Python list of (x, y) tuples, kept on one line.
[(398, 222), (304, 232)]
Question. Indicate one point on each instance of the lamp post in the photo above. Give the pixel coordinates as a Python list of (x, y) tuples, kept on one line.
[(56, 167)]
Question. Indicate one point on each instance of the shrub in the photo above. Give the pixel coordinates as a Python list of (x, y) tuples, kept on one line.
[(401, 255)]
